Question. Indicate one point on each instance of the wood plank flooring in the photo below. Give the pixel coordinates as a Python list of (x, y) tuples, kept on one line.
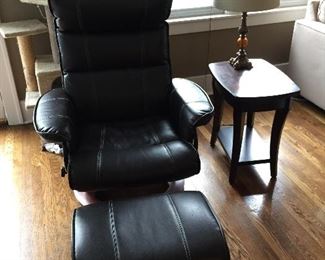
[(263, 219)]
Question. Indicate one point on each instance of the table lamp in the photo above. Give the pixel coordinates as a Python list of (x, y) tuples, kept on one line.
[(240, 61)]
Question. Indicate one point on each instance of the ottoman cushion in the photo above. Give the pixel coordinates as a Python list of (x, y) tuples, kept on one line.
[(164, 226)]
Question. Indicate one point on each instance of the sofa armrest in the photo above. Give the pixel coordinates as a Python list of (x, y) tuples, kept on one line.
[(314, 27), (307, 60), (190, 107), (54, 117)]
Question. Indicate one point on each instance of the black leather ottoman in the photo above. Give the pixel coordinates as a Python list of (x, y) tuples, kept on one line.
[(165, 226)]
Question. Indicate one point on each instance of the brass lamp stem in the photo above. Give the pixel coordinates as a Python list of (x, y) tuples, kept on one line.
[(240, 61)]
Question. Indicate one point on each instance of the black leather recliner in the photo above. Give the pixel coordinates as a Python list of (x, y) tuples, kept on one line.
[(121, 118)]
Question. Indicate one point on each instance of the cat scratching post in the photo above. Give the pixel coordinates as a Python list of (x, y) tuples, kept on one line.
[(47, 67), (50, 24), (28, 61), (22, 31)]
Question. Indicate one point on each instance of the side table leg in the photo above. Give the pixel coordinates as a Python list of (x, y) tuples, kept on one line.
[(277, 127), (239, 120), (250, 119), (218, 112)]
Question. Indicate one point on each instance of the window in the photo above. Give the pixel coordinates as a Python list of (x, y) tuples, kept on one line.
[(287, 3), (180, 4), (188, 8)]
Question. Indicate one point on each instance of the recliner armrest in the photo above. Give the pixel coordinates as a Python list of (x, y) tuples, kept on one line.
[(54, 116), (190, 107)]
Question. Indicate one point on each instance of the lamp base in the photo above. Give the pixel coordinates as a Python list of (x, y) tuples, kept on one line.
[(241, 62)]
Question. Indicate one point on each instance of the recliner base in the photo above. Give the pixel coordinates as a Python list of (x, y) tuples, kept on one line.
[(90, 197)]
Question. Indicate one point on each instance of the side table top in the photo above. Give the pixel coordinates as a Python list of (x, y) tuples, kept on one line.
[(263, 80)]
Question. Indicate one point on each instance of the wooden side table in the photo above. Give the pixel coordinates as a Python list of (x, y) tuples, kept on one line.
[(263, 88)]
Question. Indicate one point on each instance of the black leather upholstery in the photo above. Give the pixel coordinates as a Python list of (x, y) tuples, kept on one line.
[(56, 118), (192, 107), (169, 226), (109, 16), (132, 152), (117, 53), (119, 115)]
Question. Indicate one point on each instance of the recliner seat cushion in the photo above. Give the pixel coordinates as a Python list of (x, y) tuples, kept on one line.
[(139, 151)]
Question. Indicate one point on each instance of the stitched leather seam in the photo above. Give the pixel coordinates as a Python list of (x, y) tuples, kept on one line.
[(194, 112), (143, 72), (91, 75), (113, 231), (59, 116), (78, 10), (181, 113), (180, 228), (198, 101), (142, 75), (86, 50), (100, 152), (130, 68), (170, 155), (53, 99), (154, 135), (226, 253)]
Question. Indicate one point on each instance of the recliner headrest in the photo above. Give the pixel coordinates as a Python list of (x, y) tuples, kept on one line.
[(109, 15)]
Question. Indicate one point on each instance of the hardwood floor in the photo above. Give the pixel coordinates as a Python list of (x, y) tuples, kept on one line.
[(284, 219)]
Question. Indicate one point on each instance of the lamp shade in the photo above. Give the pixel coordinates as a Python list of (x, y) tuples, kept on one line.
[(246, 5)]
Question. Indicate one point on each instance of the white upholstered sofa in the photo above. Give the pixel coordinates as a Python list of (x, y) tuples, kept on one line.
[(307, 54)]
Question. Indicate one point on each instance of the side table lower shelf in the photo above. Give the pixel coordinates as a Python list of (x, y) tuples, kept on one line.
[(254, 149)]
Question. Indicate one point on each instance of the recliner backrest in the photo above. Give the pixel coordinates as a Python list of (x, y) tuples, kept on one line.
[(114, 56)]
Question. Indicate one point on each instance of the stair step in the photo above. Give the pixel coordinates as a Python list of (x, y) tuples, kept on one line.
[(46, 72), (31, 99), (22, 28), (35, 2)]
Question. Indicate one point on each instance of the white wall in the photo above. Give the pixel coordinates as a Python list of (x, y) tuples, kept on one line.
[(8, 90)]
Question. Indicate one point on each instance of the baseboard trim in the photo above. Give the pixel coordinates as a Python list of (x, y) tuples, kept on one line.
[(27, 113)]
